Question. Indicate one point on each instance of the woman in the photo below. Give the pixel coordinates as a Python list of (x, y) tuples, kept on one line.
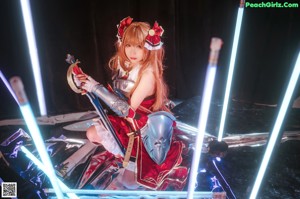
[(138, 76)]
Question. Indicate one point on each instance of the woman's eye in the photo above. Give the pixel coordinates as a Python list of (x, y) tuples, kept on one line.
[(127, 45), (139, 46)]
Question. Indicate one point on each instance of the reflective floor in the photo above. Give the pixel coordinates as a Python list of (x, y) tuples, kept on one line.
[(246, 133)]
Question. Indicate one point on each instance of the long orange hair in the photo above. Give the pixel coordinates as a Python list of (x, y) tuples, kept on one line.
[(135, 34)]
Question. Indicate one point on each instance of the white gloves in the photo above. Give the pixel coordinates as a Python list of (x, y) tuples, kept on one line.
[(89, 84)]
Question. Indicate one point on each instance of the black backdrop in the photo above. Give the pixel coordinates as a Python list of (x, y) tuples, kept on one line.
[(269, 44)]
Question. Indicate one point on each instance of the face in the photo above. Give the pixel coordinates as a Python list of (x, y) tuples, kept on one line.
[(134, 53)]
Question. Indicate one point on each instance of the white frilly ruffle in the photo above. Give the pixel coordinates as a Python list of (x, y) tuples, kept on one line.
[(108, 141)]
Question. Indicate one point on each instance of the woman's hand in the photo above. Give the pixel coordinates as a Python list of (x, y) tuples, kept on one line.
[(88, 83), (77, 81)]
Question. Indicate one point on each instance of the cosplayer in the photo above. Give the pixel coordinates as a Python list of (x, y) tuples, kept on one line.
[(139, 98)]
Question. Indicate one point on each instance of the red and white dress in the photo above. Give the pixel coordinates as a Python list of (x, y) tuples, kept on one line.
[(148, 173)]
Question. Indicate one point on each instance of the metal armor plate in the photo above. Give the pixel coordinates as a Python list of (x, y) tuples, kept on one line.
[(123, 85), (157, 135)]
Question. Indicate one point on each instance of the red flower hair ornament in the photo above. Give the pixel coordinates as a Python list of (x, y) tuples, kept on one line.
[(153, 39)]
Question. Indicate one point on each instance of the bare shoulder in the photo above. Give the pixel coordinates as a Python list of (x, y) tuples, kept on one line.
[(149, 70), (148, 74)]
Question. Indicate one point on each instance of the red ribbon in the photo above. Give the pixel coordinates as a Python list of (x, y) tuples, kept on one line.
[(123, 25), (154, 35)]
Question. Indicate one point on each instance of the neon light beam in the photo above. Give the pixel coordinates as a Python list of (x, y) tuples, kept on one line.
[(231, 69), (282, 112), (33, 128), (204, 110), (8, 86), (46, 171), (27, 17), (155, 194)]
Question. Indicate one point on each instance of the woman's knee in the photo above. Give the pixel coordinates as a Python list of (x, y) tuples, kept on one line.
[(91, 134)]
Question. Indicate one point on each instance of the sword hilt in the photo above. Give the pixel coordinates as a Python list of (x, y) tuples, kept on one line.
[(18, 88), (70, 59), (215, 47)]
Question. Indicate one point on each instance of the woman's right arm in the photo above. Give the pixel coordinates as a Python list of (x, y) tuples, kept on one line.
[(145, 88)]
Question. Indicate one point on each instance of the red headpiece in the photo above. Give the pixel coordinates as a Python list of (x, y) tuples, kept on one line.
[(153, 39), (122, 27)]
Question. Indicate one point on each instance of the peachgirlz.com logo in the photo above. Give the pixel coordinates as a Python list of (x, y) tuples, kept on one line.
[(271, 5)]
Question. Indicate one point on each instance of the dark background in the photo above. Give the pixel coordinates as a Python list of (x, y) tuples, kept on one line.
[(268, 47)]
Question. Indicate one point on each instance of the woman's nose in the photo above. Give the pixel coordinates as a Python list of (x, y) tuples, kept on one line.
[(133, 50)]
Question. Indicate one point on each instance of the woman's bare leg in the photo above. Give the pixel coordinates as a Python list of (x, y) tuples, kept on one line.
[(92, 135)]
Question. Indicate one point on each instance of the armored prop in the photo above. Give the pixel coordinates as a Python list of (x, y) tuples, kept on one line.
[(157, 135)]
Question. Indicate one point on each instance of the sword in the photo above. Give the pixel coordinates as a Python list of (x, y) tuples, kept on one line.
[(93, 99)]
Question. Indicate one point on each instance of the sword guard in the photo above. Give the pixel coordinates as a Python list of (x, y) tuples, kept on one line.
[(73, 69)]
